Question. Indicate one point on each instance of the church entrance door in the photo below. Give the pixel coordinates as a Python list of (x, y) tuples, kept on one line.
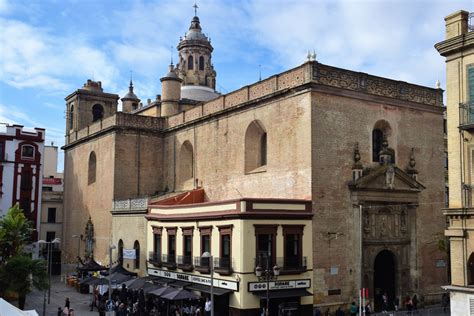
[(384, 279)]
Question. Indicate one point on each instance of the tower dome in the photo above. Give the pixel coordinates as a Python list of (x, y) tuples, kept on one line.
[(195, 65), (130, 101)]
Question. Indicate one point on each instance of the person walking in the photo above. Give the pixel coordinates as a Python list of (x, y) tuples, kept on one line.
[(385, 303), (208, 306), (354, 309), (445, 302), (414, 301)]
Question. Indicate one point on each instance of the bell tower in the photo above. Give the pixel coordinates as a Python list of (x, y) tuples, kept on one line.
[(195, 65), (88, 105)]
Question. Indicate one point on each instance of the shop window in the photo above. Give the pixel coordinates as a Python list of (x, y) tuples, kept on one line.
[(97, 112), (51, 215), (27, 152), (136, 246), (292, 247), (266, 245), (255, 146)]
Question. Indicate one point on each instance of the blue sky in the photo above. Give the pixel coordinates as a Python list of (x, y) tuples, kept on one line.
[(49, 48)]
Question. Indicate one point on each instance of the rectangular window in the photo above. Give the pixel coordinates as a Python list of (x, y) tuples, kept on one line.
[(27, 151), (292, 238), (205, 244), (47, 189), (205, 232), (2, 151), (51, 215), (470, 82), (171, 244), (225, 251), (265, 236), (157, 245)]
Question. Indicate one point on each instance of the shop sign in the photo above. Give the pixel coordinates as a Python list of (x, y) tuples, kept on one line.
[(224, 284), (280, 285), (52, 181), (130, 254)]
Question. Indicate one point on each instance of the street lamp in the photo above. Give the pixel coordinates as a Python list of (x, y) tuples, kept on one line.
[(111, 247), (211, 267), (79, 237), (48, 264), (266, 275)]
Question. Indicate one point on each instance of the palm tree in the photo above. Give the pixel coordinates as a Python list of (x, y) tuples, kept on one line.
[(18, 271)]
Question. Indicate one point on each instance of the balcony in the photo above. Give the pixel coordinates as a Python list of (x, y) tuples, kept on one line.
[(466, 115), (154, 258), (185, 263), (223, 266), (169, 261), (287, 265), (202, 265)]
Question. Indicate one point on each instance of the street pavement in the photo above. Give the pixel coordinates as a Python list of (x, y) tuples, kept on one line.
[(431, 311), (59, 292)]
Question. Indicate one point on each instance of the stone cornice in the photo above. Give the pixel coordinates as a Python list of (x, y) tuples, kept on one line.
[(455, 44)]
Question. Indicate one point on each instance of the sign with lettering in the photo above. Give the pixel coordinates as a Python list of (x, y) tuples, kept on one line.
[(52, 181), (198, 279), (280, 285), (130, 254)]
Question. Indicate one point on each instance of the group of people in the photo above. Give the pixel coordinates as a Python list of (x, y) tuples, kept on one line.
[(128, 302), (66, 310)]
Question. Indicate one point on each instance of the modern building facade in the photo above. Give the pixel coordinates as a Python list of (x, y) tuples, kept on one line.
[(346, 143), (458, 48), (21, 171)]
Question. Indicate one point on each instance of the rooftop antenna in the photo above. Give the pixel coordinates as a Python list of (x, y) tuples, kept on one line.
[(195, 6), (259, 72)]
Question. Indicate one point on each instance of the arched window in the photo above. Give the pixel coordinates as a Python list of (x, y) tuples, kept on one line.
[(92, 168), (136, 246), (185, 164), (255, 146), (201, 63), (97, 112), (71, 117), (470, 270), (377, 138), (190, 62), (120, 252)]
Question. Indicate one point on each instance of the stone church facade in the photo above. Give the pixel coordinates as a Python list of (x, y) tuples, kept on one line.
[(365, 151)]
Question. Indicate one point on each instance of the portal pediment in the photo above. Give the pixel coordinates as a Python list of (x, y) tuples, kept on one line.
[(386, 177)]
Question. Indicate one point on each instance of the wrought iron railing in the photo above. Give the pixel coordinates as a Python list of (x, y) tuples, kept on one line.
[(185, 260), (223, 263), (202, 262), (168, 258), (154, 258), (466, 113), (288, 263)]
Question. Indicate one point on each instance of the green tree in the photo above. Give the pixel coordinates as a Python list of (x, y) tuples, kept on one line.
[(18, 271), (15, 232)]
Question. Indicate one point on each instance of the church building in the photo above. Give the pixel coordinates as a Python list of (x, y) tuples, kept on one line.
[(304, 187)]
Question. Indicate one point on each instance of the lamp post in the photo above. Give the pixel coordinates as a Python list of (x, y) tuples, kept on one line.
[(267, 275), (111, 247), (48, 265), (79, 237), (211, 267)]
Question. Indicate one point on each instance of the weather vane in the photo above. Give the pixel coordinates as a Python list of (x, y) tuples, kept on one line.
[(195, 6)]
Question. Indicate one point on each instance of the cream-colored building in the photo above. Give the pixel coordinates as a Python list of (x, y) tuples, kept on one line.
[(347, 141), (241, 235), (458, 48)]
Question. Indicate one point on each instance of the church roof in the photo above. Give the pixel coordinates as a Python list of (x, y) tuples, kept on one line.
[(195, 35), (130, 95)]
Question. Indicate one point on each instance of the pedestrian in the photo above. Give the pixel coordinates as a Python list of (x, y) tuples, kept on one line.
[(415, 302), (396, 303), (317, 312), (67, 303), (408, 304), (340, 312), (385, 303), (208, 306), (60, 311), (354, 309), (368, 308), (445, 301), (71, 312)]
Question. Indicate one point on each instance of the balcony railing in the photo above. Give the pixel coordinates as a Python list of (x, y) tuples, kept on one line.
[(287, 265), (154, 258), (223, 265), (169, 261), (185, 263), (202, 265), (466, 115)]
